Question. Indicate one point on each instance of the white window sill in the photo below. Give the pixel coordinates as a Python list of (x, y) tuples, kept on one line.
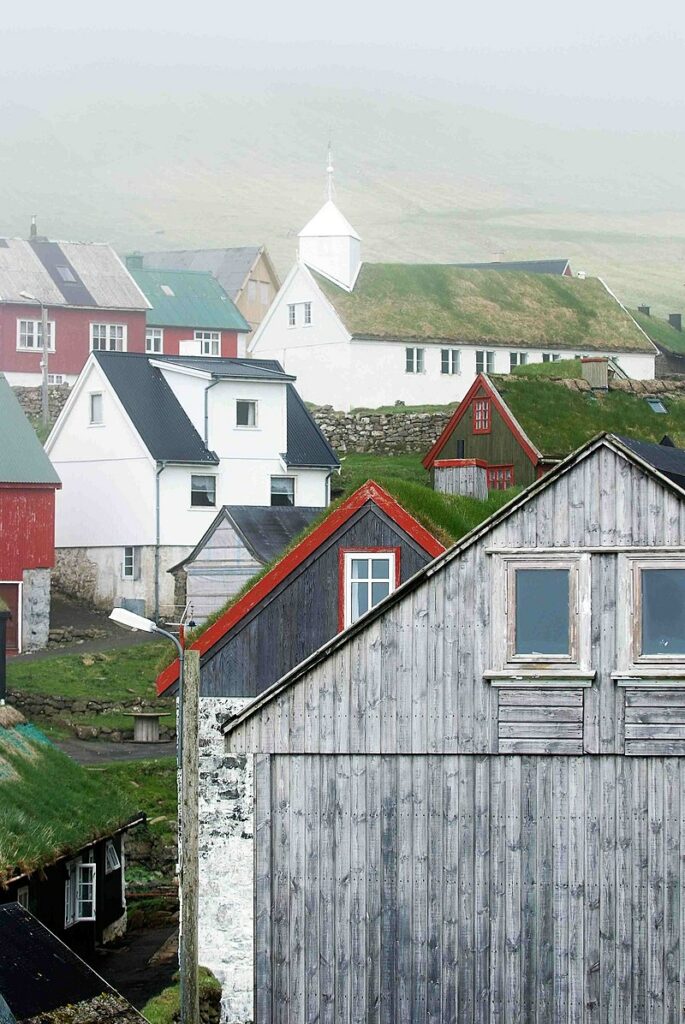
[(540, 678), (202, 508), (95, 425), (34, 351)]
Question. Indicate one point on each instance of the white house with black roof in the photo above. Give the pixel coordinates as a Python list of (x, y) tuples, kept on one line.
[(149, 448)]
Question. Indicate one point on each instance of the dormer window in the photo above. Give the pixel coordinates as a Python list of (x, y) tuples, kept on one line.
[(167, 290), (367, 578)]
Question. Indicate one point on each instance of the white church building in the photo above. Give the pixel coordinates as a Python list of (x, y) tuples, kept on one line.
[(359, 334)]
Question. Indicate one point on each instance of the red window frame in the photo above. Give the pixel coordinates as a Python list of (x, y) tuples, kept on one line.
[(482, 416), (396, 551), (499, 478)]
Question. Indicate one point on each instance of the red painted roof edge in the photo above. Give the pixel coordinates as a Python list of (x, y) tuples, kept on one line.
[(503, 409), (370, 491), (448, 463)]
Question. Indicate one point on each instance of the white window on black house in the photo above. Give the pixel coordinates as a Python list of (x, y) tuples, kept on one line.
[(245, 412), (202, 491), (23, 896), (210, 342), (112, 861), (130, 568), (30, 335), (96, 415), (79, 892), (368, 578), (282, 490), (414, 360), (450, 360), (154, 340), (517, 359), (485, 361), (292, 311), (108, 337)]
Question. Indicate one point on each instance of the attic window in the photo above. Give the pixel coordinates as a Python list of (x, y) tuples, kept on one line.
[(167, 290), (481, 416), (66, 274), (367, 578), (656, 405)]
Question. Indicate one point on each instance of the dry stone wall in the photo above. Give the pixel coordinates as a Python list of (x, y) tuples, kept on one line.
[(31, 402), (380, 433)]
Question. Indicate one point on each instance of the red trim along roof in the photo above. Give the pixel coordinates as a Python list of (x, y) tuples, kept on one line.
[(481, 381), (449, 463), (370, 491)]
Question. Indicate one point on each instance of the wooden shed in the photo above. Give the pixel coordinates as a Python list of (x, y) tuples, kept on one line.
[(469, 805)]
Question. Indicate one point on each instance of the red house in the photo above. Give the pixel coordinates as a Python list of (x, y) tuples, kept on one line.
[(27, 527), (92, 303)]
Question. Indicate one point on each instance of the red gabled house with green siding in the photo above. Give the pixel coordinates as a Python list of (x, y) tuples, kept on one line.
[(28, 483)]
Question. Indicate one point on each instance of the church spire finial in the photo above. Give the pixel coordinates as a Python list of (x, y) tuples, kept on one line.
[(330, 189)]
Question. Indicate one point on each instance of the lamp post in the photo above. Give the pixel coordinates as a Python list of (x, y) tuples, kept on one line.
[(187, 767), (45, 407)]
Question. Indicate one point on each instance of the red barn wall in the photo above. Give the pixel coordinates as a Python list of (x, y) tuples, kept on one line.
[(27, 529), (173, 335), (72, 336)]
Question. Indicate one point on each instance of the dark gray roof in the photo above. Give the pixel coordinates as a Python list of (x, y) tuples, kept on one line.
[(252, 369), (307, 446), (668, 460), (528, 266), (153, 408), (229, 266), (268, 531), (40, 975)]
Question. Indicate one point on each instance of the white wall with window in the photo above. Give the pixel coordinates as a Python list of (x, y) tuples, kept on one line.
[(130, 563), (30, 335), (414, 359), (96, 413), (282, 490), (450, 360)]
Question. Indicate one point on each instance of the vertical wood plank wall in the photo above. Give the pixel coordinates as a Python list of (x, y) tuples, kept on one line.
[(467, 888)]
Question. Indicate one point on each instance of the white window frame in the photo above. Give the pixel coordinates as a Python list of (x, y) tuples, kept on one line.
[(503, 622), (247, 426), (23, 896), (80, 875), (414, 359), (209, 340), (453, 361), (152, 336), (292, 314), (517, 359), (629, 613), (133, 561), (306, 314), (486, 358), (92, 422), (111, 336), (389, 556), (551, 357), (55, 379), (36, 325), (202, 507), (285, 476), (112, 860)]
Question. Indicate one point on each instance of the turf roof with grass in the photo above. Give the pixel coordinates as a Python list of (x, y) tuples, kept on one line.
[(557, 419), (401, 302), (661, 332), (50, 806)]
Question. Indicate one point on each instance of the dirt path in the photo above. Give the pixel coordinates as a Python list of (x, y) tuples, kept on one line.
[(128, 969)]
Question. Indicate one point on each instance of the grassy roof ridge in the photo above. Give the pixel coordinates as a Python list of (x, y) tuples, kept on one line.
[(661, 332)]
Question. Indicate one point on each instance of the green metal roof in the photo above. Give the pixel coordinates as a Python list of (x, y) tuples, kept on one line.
[(22, 457), (186, 298)]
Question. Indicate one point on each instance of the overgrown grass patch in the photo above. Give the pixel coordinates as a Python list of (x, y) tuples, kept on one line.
[(661, 332), (165, 1008), (357, 468), (149, 784), (568, 369), (120, 674)]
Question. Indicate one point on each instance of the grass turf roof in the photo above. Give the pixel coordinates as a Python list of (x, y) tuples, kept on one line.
[(398, 301), (661, 332), (557, 419), (49, 805)]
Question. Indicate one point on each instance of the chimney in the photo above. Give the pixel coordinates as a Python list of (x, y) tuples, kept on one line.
[(34, 228), (461, 476), (644, 310), (667, 441), (596, 372), (676, 321), (134, 261)]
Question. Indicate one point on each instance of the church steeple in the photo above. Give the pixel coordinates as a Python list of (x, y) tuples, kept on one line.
[(328, 243)]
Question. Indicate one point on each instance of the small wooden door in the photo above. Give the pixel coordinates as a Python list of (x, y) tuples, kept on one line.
[(9, 593)]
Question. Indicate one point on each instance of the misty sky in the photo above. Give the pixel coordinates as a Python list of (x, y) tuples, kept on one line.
[(597, 63)]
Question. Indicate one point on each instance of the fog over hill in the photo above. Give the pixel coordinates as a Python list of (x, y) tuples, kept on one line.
[(168, 153)]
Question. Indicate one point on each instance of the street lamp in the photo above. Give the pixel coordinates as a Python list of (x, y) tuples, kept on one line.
[(45, 408), (189, 662)]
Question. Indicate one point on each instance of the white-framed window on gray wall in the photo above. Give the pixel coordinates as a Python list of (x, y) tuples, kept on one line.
[(96, 409), (485, 361), (130, 564), (368, 578), (450, 360), (517, 359), (154, 340), (30, 335), (282, 490), (651, 611), (108, 337), (210, 342), (246, 413), (202, 491), (414, 361)]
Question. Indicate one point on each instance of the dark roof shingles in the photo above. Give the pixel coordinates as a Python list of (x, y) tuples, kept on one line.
[(269, 530), (307, 445)]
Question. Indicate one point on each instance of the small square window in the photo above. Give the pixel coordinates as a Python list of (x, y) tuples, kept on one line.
[(450, 360), (485, 362), (663, 612), (245, 413), (369, 578), (414, 360), (167, 290), (282, 490), (154, 339), (67, 275), (203, 491), (542, 599), (291, 315), (96, 410), (656, 405)]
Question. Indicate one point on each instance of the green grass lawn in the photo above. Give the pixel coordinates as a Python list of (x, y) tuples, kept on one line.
[(151, 785), (570, 369), (121, 674), (357, 468)]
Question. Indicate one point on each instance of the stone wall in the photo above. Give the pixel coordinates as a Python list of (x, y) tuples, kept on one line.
[(38, 705), (226, 862), (31, 402), (35, 609), (381, 433)]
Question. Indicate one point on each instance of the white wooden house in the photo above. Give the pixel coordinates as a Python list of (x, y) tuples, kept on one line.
[(469, 804), (150, 447)]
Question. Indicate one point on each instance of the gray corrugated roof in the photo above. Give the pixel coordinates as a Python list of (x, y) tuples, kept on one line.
[(22, 456), (102, 278), (307, 446), (229, 266), (528, 266), (153, 408), (269, 530), (667, 459), (251, 369)]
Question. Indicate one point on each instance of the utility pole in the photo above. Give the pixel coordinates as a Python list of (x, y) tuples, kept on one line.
[(45, 404), (188, 838)]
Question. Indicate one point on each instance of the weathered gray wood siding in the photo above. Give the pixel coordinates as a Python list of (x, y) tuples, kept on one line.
[(412, 681), (300, 614), (530, 890), (221, 569)]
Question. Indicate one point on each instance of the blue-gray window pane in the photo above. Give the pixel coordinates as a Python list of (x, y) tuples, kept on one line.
[(542, 611), (663, 611)]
